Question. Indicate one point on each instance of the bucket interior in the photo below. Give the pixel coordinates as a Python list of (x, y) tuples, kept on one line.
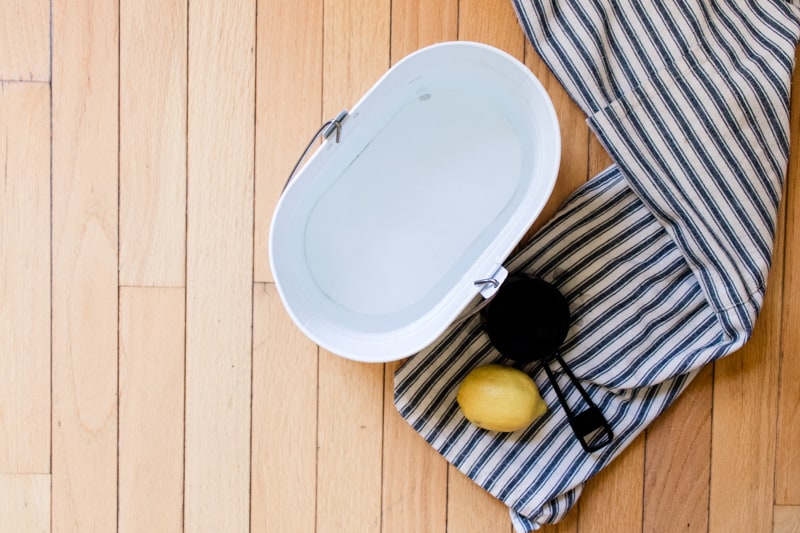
[(412, 204), (432, 169)]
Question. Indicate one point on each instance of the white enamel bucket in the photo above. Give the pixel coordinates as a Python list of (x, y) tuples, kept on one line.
[(377, 243)]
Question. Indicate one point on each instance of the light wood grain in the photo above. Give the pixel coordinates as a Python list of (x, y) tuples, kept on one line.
[(152, 130), (612, 500), (420, 23), (25, 278), (350, 434), (787, 470), (84, 297), (356, 50), (492, 22), (470, 509), (787, 519), (151, 341), (356, 54), (25, 40), (284, 450), (414, 474), (219, 265), (288, 103), (24, 503), (744, 428), (677, 458)]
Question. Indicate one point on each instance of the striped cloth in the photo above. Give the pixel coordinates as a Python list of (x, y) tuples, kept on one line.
[(663, 257)]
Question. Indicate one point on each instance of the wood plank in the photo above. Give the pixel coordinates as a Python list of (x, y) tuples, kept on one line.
[(420, 23), (743, 430), (612, 500), (152, 143), (574, 169), (350, 427), (356, 51), (84, 293), (24, 503), (678, 459), (288, 103), (151, 369), (356, 54), (219, 265), (492, 22), (25, 278), (787, 468), (414, 474), (284, 454), (787, 519), (25, 40), (470, 509)]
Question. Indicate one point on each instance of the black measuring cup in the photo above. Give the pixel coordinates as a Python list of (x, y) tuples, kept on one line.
[(527, 320)]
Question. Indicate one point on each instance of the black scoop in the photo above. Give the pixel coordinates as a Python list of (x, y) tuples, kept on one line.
[(527, 321)]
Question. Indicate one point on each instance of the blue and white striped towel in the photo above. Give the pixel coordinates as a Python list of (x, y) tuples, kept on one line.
[(663, 257)]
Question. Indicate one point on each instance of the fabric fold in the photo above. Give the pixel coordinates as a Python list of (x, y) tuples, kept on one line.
[(691, 101), (694, 169)]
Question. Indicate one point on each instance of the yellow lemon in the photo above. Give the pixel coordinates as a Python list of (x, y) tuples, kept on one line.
[(500, 398)]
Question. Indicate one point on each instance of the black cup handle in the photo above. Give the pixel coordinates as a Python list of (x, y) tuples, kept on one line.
[(588, 422)]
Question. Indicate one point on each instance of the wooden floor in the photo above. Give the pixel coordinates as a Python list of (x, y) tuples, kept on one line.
[(150, 379)]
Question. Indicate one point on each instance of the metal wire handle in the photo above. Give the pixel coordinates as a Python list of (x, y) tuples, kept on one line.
[(469, 313), (325, 131)]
